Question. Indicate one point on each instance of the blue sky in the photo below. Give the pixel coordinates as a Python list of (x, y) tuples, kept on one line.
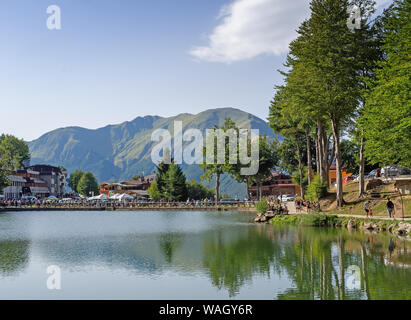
[(114, 60)]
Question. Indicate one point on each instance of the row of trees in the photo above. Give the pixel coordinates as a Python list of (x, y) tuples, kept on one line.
[(171, 184), (342, 82), (84, 183)]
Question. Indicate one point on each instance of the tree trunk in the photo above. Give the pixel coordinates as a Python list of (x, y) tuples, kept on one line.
[(336, 134), (362, 168), (260, 193), (341, 267), (300, 169), (328, 158), (323, 151), (320, 134), (217, 188), (317, 153), (247, 183), (364, 272), (307, 136)]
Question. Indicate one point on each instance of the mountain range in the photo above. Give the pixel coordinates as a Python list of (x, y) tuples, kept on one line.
[(122, 151)]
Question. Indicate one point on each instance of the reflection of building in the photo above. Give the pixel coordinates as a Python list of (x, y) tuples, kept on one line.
[(54, 177), (26, 183), (332, 174), (136, 188), (278, 184)]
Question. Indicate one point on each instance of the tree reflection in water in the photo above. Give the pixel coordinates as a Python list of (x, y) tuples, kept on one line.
[(315, 260), (14, 256)]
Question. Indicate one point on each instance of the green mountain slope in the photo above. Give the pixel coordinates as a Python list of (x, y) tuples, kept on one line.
[(119, 152)]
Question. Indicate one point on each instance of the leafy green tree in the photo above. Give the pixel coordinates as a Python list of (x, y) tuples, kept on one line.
[(162, 176), (175, 188), (216, 169), (268, 160), (285, 121), (317, 189), (386, 118), (13, 153), (4, 182), (87, 184), (74, 179), (350, 156), (334, 63), (323, 83), (197, 191), (296, 177), (153, 191)]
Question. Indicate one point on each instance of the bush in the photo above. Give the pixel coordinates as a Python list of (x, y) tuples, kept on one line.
[(262, 206), (317, 189), (319, 220)]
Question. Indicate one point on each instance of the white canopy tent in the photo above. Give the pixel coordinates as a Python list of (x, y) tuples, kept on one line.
[(125, 197), (115, 196), (100, 197)]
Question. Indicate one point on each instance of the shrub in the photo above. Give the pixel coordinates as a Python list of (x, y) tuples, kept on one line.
[(262, 206), (319, 220), (317, 189)]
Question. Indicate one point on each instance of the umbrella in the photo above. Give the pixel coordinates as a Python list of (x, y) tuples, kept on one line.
[(52, 197)]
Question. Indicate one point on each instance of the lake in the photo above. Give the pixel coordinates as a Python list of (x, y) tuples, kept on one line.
[(194, 255)]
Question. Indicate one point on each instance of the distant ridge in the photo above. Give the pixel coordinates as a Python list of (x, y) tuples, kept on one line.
[(121, 151)]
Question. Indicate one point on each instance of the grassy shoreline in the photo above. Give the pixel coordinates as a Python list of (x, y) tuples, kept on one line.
[(332, 220)]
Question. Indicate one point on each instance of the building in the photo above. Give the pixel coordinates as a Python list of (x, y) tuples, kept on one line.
[(332, 174), (278, 184), (25, 183), (135, 188), (54, 177)]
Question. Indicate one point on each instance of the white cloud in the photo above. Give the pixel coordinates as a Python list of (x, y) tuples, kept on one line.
[(249, 28)]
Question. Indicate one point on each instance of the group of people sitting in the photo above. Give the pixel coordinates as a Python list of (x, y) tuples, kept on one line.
[(276, 207)]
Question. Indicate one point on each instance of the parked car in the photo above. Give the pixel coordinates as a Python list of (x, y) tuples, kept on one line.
[(394, 170), (374, 174), (290, 198), (287, 197)]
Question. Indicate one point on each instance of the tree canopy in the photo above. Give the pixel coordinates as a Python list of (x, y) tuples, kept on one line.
[(87, 184), (387, 116)]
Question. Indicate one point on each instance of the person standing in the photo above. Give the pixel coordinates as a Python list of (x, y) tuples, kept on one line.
[(390, 207), (367, 208)]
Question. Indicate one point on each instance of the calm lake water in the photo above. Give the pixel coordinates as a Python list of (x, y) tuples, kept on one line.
[(194, 255)]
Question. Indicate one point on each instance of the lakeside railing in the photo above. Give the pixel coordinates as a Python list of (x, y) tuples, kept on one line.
[(127, 205)]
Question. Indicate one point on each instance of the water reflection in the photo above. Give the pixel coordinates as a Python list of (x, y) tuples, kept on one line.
[(319, 260), (14, 256), (233, 254)]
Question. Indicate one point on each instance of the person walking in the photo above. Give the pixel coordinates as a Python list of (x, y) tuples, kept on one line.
[(390, 207), (367, 208)]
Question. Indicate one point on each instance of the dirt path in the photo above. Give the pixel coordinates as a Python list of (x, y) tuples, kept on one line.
[(292, 210)]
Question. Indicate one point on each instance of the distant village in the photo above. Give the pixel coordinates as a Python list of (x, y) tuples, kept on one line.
[(43, 181)]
